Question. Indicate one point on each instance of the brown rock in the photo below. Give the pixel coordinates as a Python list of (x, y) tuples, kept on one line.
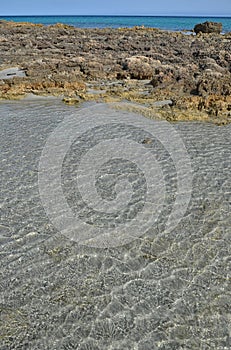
[(139, 67), (189, 70), (208, 27), (209, 84)]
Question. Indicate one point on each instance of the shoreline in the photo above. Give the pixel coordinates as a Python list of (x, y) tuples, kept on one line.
[(139, 64), (166, 284)]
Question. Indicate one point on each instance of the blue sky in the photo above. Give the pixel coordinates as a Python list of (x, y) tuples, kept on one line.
[(117, 7)]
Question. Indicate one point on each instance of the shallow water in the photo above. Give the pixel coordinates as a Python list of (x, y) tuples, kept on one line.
[(160, 291)]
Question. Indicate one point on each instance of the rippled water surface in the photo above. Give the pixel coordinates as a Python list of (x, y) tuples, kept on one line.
[(160, 291)]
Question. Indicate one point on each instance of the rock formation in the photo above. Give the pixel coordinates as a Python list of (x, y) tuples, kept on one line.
[(139, 64), (208, 27)]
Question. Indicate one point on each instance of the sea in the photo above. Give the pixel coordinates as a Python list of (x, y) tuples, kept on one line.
[(114, 228), (172, 23)]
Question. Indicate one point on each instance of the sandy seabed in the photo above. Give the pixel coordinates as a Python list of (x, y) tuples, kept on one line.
[(161, 291)]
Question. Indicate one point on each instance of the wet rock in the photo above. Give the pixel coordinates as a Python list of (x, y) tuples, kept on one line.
[(147, 141)]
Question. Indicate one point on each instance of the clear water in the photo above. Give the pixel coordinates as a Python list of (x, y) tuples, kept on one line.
[(163, 291), (166, 23)]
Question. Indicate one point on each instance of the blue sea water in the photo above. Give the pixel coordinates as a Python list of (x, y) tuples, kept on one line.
[(167, 23)]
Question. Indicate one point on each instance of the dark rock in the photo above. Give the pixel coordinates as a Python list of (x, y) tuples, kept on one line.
[(214, 83), (208, 27)]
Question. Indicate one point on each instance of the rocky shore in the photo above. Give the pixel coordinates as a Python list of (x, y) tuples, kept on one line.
[(177, 76)]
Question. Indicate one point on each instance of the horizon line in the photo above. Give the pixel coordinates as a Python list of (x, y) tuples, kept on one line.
[(117, 15)]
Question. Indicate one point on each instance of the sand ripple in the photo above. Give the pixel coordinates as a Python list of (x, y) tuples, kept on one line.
[(162, 291)]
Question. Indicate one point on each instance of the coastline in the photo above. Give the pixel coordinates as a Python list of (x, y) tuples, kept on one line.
[(166, 289), (163, 22), (141, 65)]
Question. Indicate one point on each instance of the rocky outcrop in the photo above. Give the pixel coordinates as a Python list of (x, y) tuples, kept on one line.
[(213, 83), (140, 64), (208, 27), (140, 67)]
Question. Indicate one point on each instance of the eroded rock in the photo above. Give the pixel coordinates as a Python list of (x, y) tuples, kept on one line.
[(144, 65), (208, 27)]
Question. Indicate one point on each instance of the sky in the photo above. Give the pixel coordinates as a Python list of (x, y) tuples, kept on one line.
[(117, 7)]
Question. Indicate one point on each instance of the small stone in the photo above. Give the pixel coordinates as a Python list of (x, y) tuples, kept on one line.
[(147, 141)]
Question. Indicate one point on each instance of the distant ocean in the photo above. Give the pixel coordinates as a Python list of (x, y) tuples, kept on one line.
[(161, 22)]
